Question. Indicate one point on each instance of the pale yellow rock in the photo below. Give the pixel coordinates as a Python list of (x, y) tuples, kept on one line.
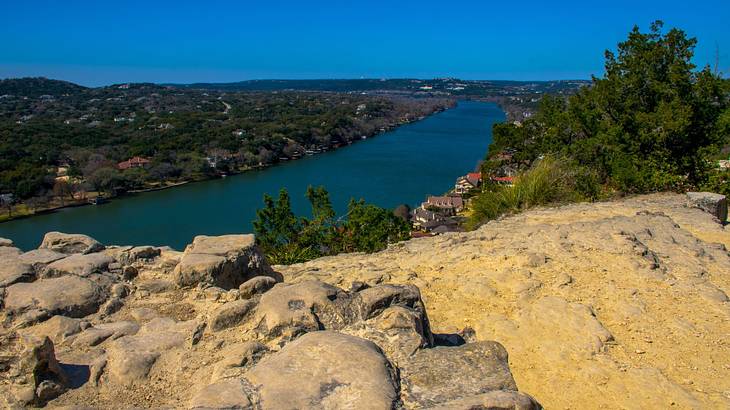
[(572, 295)]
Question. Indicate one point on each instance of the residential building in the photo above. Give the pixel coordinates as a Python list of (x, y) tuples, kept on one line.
[(135, 162), (447, 204)]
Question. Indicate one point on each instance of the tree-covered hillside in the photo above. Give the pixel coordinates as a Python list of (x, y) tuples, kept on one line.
[(51, 128)]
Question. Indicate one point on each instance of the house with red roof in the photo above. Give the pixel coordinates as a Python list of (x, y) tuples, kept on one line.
[(467, 182), (134, 162)]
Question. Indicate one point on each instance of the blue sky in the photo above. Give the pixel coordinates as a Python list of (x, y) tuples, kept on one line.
[(104, 42)]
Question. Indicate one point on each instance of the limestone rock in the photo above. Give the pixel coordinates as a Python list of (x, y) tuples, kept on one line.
[(58, 328), (715, 204), (256, 286), (138, 253), (223, 395), (70, 243), (130, 358), (9, 252), (71, 296), (442, 374), (39, 369), (105, 331), (497, 400), (79, 265), (289, 310), (231, 314), (237, 358), (224, 261), (39, 258), (13, 270), (5, 242), (325, 370)]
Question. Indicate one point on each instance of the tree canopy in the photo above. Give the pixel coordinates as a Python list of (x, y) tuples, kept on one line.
[(652, 122)]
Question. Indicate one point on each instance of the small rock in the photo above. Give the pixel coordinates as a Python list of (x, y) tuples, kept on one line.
[(256, 286), (231, 314), (223, 395)]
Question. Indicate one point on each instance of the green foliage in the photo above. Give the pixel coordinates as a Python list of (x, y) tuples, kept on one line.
[(370, 228), (649, 124), (276, 226), (549, 181), (287, 239)]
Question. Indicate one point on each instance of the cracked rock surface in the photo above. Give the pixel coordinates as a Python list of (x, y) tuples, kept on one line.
[(214, 327)]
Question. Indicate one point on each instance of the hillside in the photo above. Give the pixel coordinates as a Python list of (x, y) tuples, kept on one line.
[(607, 305)]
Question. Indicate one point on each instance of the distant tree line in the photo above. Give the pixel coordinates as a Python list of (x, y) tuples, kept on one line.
[(187, 134)]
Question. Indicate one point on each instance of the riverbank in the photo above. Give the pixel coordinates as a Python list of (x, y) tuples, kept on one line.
[(398, 167), (24, 211)]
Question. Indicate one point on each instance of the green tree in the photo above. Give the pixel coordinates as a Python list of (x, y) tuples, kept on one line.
[(648, 124), (275, 224), (370, 228)]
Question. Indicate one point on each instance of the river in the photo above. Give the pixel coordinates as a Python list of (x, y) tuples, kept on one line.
[(397, 167)]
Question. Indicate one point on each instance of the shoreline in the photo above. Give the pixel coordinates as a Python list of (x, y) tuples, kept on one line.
[(389, 128)]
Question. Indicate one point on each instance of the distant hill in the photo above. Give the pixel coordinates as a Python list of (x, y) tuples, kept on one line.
[(451, 86), (37, 86)]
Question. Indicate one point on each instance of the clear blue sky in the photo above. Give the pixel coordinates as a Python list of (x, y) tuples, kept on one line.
[(103, 42)]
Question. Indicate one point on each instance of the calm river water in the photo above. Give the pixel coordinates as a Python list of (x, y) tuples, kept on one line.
[(402, 166)]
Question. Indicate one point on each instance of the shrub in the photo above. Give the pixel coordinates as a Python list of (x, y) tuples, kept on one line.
[(549, 181)]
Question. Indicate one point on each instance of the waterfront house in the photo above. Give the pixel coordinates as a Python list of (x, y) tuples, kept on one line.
[(134, 162), (463, 185), (429, 221), (446, 204), (467, 182)]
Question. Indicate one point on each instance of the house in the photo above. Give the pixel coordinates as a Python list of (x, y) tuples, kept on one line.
[(448, 204), (429, 221), (135, 162), (467, 182), (463, 185)]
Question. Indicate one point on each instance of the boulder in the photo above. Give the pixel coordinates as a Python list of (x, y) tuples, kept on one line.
[(7, 252), (223, 395), (70, 295), (138, 253), (155, 286), (373, 301), (70, 243), (5, 242), (325, 370), (399, 331), (58, 328), (231, 314), (715, 204), (224, 261), (288, 310), (39, 370), (39, 258), (442, 374), (79, 265), (13, 270), (256, 286), (105, 331), (130, 358)]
